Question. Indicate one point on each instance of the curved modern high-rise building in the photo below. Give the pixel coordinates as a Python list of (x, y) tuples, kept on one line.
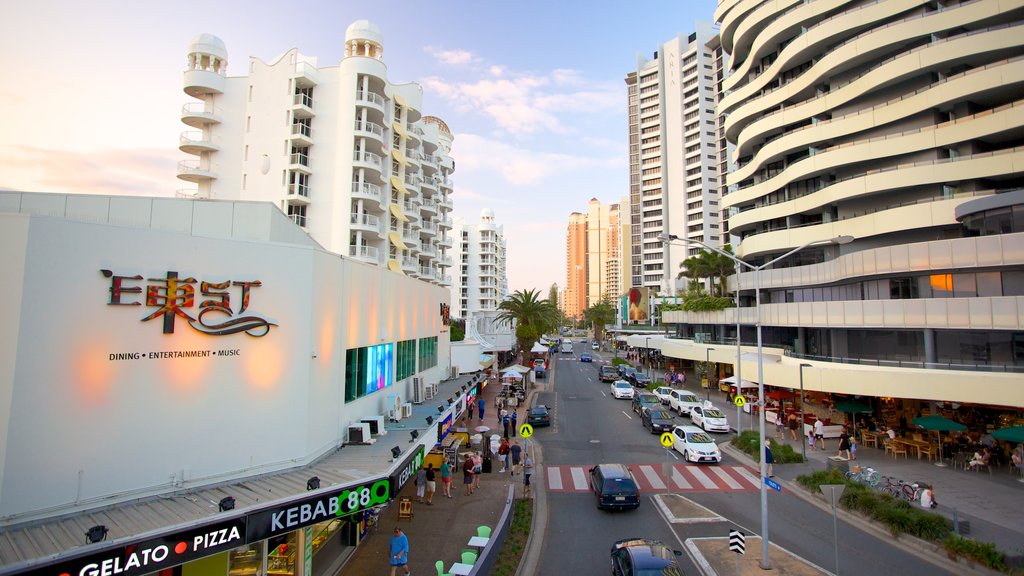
[(899, 123)]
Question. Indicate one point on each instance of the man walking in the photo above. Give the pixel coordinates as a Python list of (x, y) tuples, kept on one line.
[(470, 409), (769, 459), (819, 433), (399, 551), (515, 417), (516, 450), (480, 404), (527, 472)]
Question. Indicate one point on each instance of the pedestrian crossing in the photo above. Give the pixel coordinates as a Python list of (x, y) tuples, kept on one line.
[(661, 478)]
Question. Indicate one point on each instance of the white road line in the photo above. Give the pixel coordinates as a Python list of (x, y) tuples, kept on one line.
[(554, 478), (702, 478), (579, 479), (680, 480), (627, 415), (747, 476), (653, 478), (727, 478)]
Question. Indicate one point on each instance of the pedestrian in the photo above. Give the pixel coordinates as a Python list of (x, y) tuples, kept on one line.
[(399, 550), (421, 484), (503, 453), (515, 450), (853, 447), (844, 444), (819, 433), (505, 421), (480, 404), (470, 409), (478, 470), (793, 424), (502, 413), (515, 418), (928, 497), (467, 473), (446, 478), (769, 459), (780, 426), (431, 484), (810, 437), (527, 472)]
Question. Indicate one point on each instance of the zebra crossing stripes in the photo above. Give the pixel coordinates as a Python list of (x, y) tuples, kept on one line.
[(659, 478)]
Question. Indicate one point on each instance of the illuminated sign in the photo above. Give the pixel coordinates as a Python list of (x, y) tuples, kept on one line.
[(175, 297), (444, 427), (406, 471), (446, 314), (300, 513), (379, 367)]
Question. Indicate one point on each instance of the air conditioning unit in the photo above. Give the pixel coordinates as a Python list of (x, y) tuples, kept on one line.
[(407, 410), (376, 424), (431, 391), (455, 372), (359, 434), (419, 391)]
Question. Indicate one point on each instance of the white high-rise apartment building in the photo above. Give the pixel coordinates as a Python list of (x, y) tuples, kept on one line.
[(901, 124), (344, 152), (674, 180), (481, 282)]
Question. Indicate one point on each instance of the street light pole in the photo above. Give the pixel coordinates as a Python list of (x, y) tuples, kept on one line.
[(765, 560), (707, 371), (803, 442), (647, 352)]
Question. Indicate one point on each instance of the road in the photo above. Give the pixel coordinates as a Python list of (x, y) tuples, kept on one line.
[(590, 427)]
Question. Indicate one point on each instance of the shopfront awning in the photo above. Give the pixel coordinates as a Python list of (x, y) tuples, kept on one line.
[(396, 240), (398, 155), (396, 211)]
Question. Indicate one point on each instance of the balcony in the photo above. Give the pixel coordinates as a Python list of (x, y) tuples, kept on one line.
[(444, 260), (446, 184), (367, 223), (445, 222), (413, 181), (410, 236), (444, 242), (200, 83), (302, 135), (200, 114), (429, 185), (300, 220), (444, 280), (370, 99), (410, 265), (366, 191), (370, 130), (196, 171), (302, 106), (428, 229), (427, 273), (306, 75), (429, 206), (429, 250), (197, 142), (297, 194), (364, 253), (367, 160), (446, 202), (299, 162)]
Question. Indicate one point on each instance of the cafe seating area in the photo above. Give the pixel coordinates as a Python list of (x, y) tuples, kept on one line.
[(469, 556)]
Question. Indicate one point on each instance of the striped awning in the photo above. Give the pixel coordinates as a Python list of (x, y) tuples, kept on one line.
[(396, 211), (399, 156), (394, 266)]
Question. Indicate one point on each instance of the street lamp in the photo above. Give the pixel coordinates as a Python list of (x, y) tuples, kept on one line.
[(803, 443), (647, 351), (765, 562), (707, 370)]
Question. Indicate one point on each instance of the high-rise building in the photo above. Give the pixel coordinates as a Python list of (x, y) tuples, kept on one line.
[(344, 152), (593, 259), (481, 283), (674, 180), (900, 124)]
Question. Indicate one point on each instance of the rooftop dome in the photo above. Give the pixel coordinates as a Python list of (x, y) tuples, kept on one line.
[(487, 213), (208, 44), (364, 30)]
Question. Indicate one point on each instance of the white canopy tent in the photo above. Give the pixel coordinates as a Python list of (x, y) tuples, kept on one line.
[(731, 381)]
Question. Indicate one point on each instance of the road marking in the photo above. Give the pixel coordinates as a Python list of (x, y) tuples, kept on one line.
[(748, 476), (554, 478), (579, 480), (627, 415), (703, 478), (680, 481), (653, 478), (721, 473)]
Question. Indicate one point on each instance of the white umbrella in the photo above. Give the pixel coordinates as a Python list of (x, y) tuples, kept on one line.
[(731, 380), (512, 375)]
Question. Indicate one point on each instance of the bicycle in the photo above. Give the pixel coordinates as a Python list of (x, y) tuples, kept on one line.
[(865, 475)]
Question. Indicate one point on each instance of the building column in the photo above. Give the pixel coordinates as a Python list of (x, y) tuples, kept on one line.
[(801, 340), (930, 354)]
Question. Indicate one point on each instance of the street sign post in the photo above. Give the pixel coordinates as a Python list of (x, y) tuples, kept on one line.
[(773, 484), (526, 430), (737, 544), (833, 492)]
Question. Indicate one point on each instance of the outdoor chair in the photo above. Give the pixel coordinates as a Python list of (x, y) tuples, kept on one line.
[(469, 557), (959, 460), (483, 531), (929, 451), (440, 568), (898, 450)]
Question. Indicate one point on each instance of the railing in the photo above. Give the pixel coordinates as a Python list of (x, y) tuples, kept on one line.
[(306, 70), (413, 180), (366, 220), (410, 263), (193, 108), (299, 219), (366, 189), (371, 127), (367, 158), (429, 205), (903, 363), (198, 137), (428, 227), (363, 251), (303, 100), (195, 166), (299, 158), (372, 98), (299, 129), (296, 189)]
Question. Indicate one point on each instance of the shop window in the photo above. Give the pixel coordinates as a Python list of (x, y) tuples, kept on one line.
[(246, 560), (368, 370), (405, 364), (281, 551)]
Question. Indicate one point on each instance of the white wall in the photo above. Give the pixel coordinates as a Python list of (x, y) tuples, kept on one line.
[(83, 427)]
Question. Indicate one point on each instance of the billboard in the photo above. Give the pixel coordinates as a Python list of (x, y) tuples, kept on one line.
[(639, 305)]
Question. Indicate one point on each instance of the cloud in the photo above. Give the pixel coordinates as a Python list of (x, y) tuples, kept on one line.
[(452, 57), (516, 165), (143, 172)]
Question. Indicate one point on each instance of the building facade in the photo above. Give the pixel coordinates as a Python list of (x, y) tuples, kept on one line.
[(481, 282), (346, 154), (674, 180), (593, 257), (901, 125)]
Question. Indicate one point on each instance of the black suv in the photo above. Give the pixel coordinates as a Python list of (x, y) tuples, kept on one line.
[(614, 486), (643, 400)]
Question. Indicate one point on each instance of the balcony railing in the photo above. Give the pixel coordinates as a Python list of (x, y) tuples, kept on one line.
[(364, 252), (299, 219), (299, 129), (370, 97), (197, 137), (296, 189), (366, 221), (300, 159), (303, 100), (366, 190), (367, 158), (371, 127)]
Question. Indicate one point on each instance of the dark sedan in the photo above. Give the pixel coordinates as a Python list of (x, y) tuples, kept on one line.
[(538, 416), (657, 420), (638, 556)]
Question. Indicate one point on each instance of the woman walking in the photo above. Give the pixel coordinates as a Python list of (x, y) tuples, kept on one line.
[(446, 479)]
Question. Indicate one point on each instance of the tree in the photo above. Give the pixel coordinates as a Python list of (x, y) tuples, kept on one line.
[(458, 330), (553, 295), (710, 265), (531, 316), (599, 315)]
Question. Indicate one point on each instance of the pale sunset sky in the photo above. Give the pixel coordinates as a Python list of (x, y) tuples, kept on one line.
[(533, 91)]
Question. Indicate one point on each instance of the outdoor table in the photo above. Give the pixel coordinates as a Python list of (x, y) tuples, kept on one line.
[(915, 444), (461, 569), (479, 542)]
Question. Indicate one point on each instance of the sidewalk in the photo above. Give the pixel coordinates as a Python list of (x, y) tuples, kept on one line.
[(440, 531)]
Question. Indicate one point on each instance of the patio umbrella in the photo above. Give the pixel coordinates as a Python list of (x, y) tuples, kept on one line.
[(1011, 434), (939, 424), (512, 375), (853, 407)]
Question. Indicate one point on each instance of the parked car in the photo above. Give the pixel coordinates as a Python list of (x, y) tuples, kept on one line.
[(643, 400), (622, 389), (641, 380), (709, 418), (682, 401), (657, 419), (586, 357), (608, 373), (637, 556), (538, 416), (614, 486), (695, 444), (663, 393), (594, 346), (626, 372)]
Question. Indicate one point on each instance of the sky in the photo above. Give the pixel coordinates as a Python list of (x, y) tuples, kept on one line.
[(533, 92)]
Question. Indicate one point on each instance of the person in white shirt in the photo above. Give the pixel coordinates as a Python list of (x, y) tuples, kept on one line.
[(891, 433), (819, 433), (928, 498)]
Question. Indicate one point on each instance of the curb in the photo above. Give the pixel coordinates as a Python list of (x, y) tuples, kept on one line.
[(529, 563), (927, 551)]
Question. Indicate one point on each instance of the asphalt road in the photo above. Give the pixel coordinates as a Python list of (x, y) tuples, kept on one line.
[(591, 427)]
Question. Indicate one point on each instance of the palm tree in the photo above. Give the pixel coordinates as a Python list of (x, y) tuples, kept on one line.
[(532, 317), (695, 268), (599, 315), (721, 267)]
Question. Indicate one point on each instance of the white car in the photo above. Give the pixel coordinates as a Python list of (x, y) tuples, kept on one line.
[(695, 445), (682, 401), (664, 393), (709, 418), (622, 389)]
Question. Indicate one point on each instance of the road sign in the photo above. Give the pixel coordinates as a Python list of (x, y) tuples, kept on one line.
[(773, 484), (666, 440), (737, 542), (526, 430), (739, 401)]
